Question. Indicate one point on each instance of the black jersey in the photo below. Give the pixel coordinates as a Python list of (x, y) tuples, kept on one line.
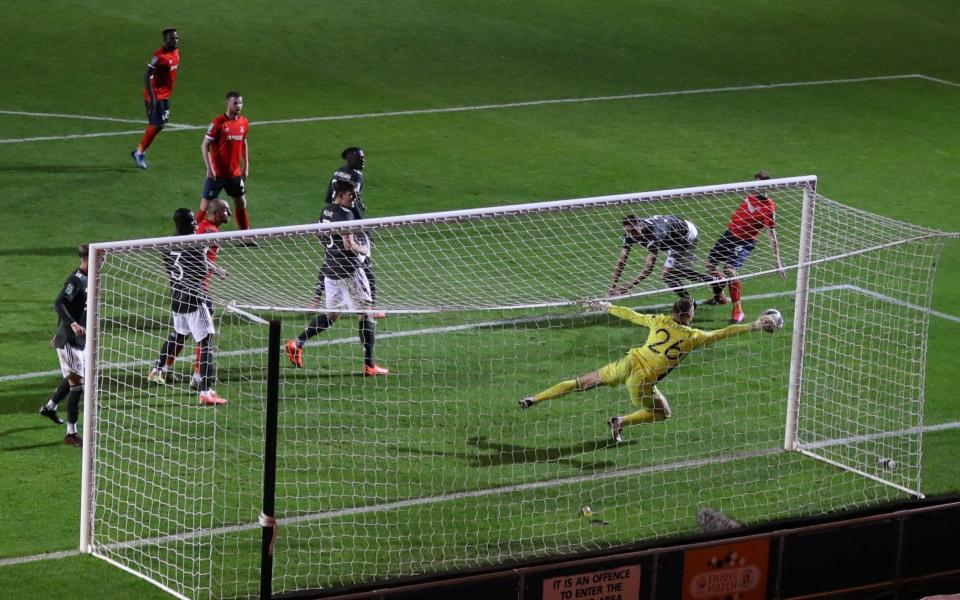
[(354, 176), (338, 262), (71, 307), (660, 233), (187, 270)]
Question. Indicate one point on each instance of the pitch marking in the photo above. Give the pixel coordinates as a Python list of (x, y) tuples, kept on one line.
[(473, 108)]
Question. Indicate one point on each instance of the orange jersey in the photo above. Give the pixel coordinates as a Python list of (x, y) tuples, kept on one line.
[(206, 226), (753, 214), (228, 138), (164, 66)]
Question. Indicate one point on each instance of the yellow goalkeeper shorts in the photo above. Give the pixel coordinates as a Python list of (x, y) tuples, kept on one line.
[(640, 384)]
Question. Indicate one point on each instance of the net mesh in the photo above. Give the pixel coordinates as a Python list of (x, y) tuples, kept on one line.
[(434, 467)]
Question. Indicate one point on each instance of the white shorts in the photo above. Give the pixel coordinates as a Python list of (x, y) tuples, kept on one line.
[(198, 323), (71, 360), (349, 293)]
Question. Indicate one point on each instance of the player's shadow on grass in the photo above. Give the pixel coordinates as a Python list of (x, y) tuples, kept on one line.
[(56, 433), (513, 454)]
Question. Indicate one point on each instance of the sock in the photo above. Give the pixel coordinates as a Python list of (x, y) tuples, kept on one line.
[(367, 329), (642, 416), (59, 394), (171, 348), (735, 291), (201, 215), (717, 287), (208, 370), (196, 362), (71, 429), (148, 136), (73, 405), (319, 324), (243, 220), (561, 389)]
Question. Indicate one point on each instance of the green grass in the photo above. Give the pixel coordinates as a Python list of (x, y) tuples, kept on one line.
[(884, 146)]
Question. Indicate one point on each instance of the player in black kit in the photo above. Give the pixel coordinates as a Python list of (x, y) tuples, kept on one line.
[(353, 172), (187, 268), (673, 235), (70, 341), (342, 281)]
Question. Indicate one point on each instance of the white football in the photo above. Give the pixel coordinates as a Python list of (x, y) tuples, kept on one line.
[(777, 319)]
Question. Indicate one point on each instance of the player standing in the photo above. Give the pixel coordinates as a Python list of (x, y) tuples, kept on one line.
[(670, 340), (353, 172), (227, 158), (675, 236), (756, 212), (158, 82), (188, 269), (344, 282), (70, 341)]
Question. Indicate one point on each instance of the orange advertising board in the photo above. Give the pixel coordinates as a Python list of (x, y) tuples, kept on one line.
[(621, 583), (729, 570)]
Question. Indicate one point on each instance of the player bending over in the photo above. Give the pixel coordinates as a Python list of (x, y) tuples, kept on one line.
[(670, 234), (187, 269), (670, 340), (69, 342), (344, 282), (757, 211)]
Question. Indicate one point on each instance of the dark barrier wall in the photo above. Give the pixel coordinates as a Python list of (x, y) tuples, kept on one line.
[(900, 551)]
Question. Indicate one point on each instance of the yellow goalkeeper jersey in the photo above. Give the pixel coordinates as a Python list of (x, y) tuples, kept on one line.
[(668, 342)]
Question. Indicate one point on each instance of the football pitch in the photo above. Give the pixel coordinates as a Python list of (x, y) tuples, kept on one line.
[(458, 105)]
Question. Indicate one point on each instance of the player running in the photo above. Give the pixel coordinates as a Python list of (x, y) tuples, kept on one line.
[(69, 342), (353, 172), (673, 235), (188, 269), (670, 340), (227, 158), (756, 212), (343, 281), (158, 82)]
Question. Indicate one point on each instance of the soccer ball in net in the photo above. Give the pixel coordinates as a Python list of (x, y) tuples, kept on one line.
[(777, 319)]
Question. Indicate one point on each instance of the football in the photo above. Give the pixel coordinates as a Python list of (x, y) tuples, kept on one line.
[(777, 319)]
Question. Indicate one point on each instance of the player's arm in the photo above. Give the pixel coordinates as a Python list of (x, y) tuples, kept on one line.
[(205, 151), (622, 312), (147, 81), (246, 159), (618, 270), (648, 264), (710, 337), (67, 294), (775, 248)]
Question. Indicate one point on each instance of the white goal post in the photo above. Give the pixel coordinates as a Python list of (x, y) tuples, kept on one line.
[(434, 468)]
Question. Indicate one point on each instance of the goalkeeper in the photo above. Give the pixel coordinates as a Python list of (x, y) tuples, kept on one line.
[(670, 340)]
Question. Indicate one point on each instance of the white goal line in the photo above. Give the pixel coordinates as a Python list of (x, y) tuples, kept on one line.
[(504, 323), (469, 108)]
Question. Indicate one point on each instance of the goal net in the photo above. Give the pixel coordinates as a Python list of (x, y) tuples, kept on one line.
[(434, 467)]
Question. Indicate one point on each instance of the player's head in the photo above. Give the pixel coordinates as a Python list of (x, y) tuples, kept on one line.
[(218, 212), (761, 176), (343, 192), (632, 224), (83, 251), (355, 157), (185, 222), (171, 39), (234, 103), (683, 311)]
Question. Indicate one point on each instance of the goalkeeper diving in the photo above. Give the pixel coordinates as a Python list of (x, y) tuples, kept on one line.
[(669, 341)]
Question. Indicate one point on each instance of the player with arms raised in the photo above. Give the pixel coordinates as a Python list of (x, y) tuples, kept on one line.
[(226, 155), (670, 234), (158, 82), (669, 341), (756, 212), (187, 269), (344, 282)]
